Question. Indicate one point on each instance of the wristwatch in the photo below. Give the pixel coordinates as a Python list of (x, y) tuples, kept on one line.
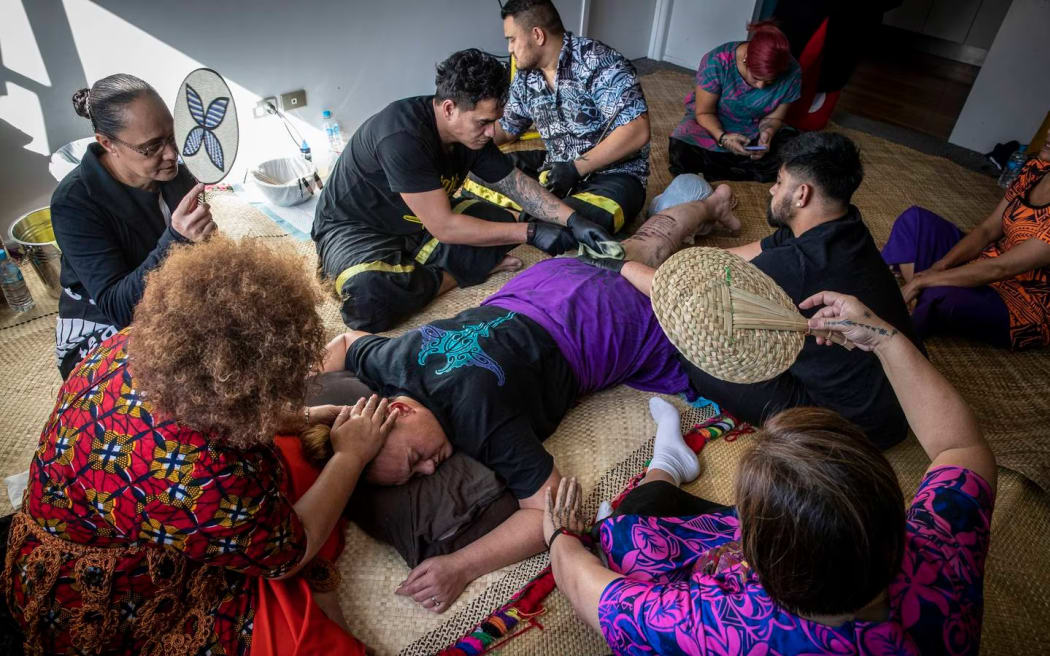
[(722, 138)]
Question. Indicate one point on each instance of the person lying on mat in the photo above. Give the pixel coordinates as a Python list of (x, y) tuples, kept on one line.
[(585, 100), (157, 512), (732, 124), (820, 241), (116, 214), (386, 231), (798, 566), (496, 380), (992, 284)]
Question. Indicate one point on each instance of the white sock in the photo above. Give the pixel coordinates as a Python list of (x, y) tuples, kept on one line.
[(670, 452)]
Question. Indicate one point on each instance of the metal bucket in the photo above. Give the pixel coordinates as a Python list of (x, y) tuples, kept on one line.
[(34, 235)]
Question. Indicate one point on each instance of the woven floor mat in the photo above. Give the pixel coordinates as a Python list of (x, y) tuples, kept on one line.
[(614, 426)]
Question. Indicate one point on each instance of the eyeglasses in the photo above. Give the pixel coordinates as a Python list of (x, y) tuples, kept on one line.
[(152, 148)]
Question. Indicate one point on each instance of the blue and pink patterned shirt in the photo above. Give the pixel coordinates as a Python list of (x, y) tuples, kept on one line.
[(740, 105), (665, 604)]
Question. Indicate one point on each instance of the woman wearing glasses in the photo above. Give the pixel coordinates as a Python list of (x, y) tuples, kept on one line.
[(117, 213)]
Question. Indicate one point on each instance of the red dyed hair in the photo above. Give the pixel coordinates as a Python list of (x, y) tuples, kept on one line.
[(768, 50)]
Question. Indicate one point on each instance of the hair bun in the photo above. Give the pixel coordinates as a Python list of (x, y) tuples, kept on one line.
[(80, 103)]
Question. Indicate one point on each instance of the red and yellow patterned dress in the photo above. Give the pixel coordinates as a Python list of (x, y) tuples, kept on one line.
[(138, 536), (1027, 296)]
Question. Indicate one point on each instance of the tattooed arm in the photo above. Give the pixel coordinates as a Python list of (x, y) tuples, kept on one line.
[(533, 198), (436, 215), (940, 418)]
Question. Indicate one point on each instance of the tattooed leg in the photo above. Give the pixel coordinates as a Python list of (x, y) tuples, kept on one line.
[(664, 233), (656, 240)]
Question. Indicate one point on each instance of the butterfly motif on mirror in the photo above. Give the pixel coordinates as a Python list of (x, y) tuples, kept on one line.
[(206, 122)]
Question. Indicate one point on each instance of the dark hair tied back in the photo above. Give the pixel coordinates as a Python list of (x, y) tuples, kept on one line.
[(80, 103), (107, 99)]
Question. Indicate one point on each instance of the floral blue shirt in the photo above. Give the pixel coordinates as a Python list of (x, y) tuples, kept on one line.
[(594, 85)]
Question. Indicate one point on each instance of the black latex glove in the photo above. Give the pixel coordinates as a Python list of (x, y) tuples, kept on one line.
[(550, 238), (607, 263), (588, 232), (561, 179)]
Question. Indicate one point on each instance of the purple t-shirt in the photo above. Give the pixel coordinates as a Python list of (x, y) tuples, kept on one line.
[(605, 327), (740, 105), (662, 604)]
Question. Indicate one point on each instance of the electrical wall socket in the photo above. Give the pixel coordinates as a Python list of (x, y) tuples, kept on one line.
[(293, 100), (261, 110)]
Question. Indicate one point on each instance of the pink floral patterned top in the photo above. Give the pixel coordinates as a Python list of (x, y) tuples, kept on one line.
[(667, 603)]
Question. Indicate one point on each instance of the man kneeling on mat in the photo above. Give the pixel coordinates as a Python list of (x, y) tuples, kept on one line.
[(387, 230), (495, 381)]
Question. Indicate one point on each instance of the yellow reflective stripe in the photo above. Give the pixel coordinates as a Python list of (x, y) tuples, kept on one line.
[(490, 195), (428, 248), (349, 273), (412, 218), (606, 204), (543, 176), (463, 204), (424, 253)]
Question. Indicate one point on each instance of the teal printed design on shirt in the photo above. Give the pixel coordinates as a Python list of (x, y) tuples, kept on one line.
[(461, 347)]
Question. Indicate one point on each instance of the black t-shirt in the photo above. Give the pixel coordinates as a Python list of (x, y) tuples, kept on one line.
[(495, 380), (840, 256), (399, 151)]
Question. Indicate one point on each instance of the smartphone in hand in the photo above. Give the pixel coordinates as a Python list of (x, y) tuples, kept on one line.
[(755, 148)]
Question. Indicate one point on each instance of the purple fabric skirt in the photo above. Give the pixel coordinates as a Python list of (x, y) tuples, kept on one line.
[(604, 327), (922, 237)]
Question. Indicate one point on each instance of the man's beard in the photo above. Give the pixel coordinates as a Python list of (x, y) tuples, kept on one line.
[(781, 217), (530, 62)]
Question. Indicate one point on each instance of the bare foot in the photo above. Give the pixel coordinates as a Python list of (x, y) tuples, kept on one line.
[(509, 263), (722, 203)]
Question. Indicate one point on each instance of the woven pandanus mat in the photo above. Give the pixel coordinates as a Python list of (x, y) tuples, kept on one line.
[(609, 431)]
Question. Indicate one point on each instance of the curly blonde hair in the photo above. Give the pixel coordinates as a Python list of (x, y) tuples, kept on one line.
[(225, 336)]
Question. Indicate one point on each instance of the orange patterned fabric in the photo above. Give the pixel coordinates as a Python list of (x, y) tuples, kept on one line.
[(1027, 296), (138, 535)]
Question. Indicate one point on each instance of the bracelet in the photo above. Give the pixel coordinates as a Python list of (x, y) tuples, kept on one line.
[(721, 139), (564, 531), (306, 414)]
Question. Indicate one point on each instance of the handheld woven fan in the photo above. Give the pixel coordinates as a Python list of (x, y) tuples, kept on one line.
[(728, 317), (206, 130)]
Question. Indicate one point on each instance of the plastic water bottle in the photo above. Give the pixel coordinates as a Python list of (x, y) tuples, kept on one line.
[(1013, 167), (14, 285), (334, 132), (304, 150)]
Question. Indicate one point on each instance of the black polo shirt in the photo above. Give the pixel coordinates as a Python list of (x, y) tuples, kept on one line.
[(838, 256)]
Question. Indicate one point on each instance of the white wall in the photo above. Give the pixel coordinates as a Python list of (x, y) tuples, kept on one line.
[(625, 23), (1011, 95), (697, 26), (351, 56)]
